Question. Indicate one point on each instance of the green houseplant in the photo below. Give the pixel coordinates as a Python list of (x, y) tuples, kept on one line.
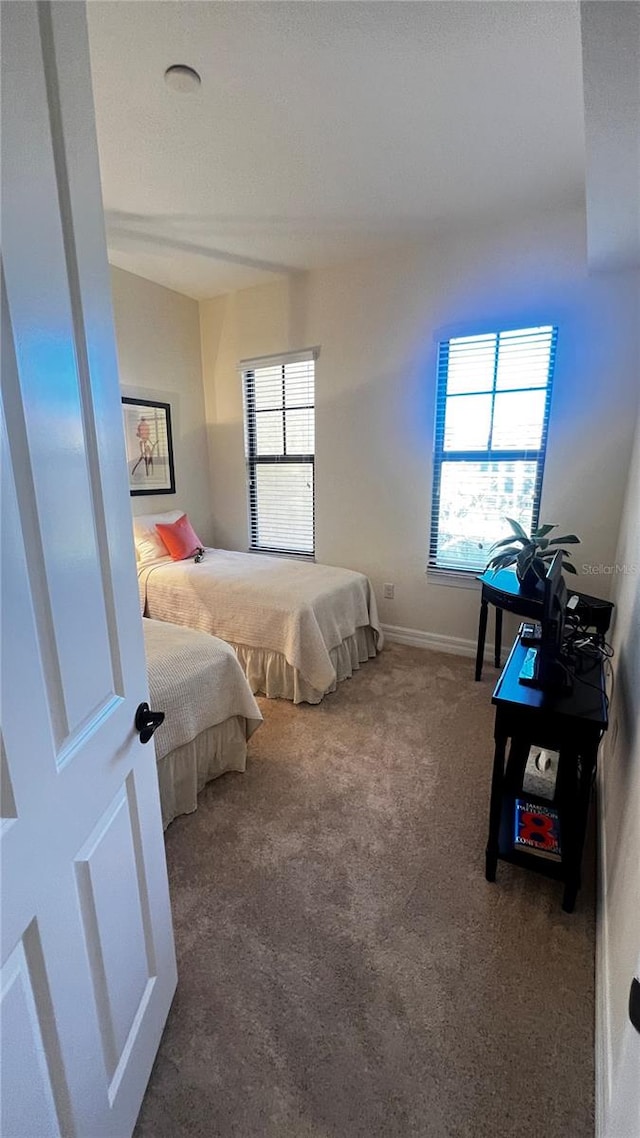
[(531, 553)]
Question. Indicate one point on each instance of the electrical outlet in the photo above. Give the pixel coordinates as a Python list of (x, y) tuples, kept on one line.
[(388, 591)]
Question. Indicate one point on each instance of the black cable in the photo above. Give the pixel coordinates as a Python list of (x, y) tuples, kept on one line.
[(593, 643), (575, 675)]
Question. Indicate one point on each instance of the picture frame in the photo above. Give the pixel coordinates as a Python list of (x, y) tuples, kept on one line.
[(149, 446)]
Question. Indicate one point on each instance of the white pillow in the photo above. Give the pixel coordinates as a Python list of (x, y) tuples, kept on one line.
[(149, 544)]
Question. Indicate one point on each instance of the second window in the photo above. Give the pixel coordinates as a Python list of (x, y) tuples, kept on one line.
[(279, 403)]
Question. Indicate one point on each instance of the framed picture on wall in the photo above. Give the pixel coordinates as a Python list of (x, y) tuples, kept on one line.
[(147, 432)]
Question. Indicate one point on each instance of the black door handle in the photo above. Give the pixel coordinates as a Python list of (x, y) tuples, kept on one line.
[(146, 721), (634, 1003)]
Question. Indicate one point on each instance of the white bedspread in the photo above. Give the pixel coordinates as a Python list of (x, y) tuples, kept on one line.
[(197, 681), (300, 609)]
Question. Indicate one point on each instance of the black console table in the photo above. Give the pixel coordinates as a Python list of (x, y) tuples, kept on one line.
[(503, 590), (571, 723)]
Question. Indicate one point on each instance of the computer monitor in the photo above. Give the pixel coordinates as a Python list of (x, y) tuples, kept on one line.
[(548, 672), (554, 603)]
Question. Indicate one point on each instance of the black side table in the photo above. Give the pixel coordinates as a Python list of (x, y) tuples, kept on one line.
[(571, 723), (504, 592)]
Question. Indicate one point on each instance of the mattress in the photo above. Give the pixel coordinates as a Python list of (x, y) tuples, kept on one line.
[(210, 711), (301, 611)]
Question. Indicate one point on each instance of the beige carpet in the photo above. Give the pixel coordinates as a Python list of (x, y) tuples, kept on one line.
[(345, 970)]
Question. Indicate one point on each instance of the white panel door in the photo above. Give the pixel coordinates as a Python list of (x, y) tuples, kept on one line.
[(622, 1117), (88, 966)]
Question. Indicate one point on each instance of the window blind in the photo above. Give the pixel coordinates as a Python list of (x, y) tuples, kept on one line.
[(492, 415), (279, 406)]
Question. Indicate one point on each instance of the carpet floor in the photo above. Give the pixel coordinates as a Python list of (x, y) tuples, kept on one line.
[(345, 969)]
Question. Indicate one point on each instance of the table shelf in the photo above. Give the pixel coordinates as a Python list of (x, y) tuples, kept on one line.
[(506, 851), (571, 723)]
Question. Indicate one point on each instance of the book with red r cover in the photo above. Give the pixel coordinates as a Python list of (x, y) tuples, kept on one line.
[(537, 829)]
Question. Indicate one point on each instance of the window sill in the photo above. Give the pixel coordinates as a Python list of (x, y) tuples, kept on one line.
[(281, 553), (457, 578)]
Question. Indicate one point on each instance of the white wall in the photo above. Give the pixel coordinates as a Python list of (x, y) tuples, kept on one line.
[(377, 324), (158, 338), (619, 909)]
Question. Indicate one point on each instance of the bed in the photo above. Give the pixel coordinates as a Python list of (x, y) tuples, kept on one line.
[(298, 628), (210, 712)]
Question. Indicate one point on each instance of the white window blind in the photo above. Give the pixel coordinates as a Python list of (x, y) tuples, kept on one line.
[(492, 414), (279, 405)]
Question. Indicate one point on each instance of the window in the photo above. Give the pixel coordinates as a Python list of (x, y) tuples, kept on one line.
[(492, 412), (279, 410)]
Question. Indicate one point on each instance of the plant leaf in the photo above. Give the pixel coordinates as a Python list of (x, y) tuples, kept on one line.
[(505, 541), (542, 531), (517, 529), (524, 561), (567, 567), (501, 560), (539, 567), (548, 554), (569, 538)]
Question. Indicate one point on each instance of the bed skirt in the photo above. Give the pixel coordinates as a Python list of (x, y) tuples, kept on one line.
[(270, 674), (184, 772)]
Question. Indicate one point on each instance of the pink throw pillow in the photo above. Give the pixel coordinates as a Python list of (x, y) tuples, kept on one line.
[(180, 538)]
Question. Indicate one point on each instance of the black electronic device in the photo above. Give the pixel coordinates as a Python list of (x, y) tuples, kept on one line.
[(544, 668), (594, 613), (530, 633)]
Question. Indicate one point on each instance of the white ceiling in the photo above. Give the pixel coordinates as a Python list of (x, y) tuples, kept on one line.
[(324, 130), (611, 68)]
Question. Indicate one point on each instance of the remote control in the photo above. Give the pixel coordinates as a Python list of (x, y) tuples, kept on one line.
[(530, 632)]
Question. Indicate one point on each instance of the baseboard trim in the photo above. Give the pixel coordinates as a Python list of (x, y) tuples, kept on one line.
[(602, 1024), (434, 641)]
